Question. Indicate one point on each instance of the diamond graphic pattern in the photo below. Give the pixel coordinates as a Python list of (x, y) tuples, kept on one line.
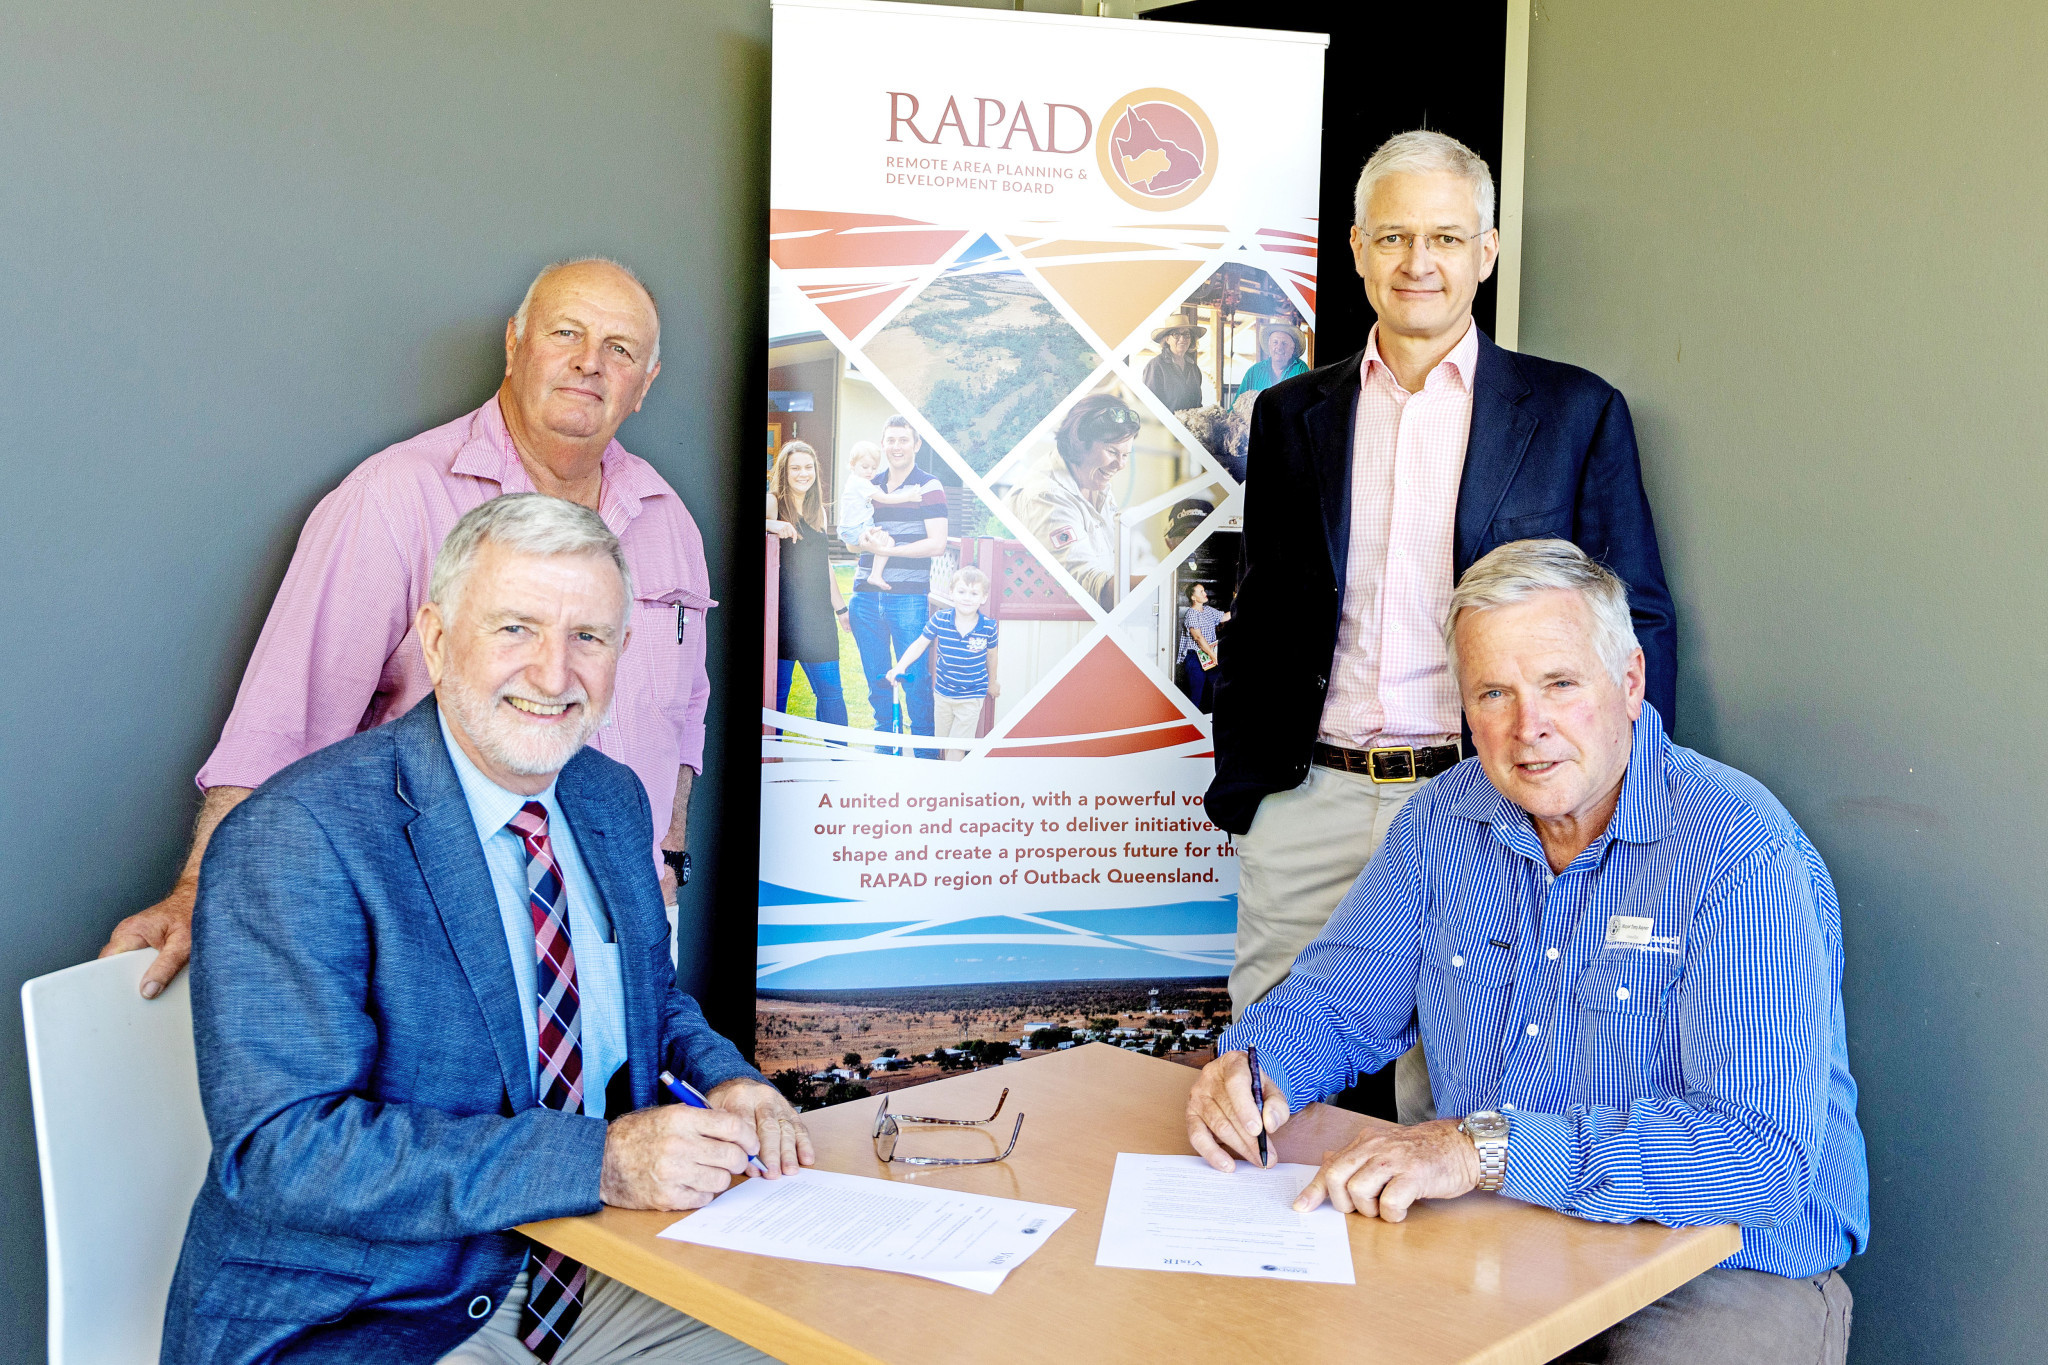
[(854, 265), (1301, 275), (1233, 306), (981, 354), (1105, 691), (1037, 488), (1112, 286)]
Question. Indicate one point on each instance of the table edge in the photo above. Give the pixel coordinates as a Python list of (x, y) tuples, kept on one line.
[(1542, 1341), (796, 1342), (738, 1315)]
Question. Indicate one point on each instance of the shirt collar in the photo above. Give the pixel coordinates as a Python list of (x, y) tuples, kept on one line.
[(916, 474), (1643, 815), (490, 805), (490, 454), (1456, 368)]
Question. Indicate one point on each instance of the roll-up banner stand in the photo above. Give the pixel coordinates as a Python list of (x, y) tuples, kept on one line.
[(1027, 274)]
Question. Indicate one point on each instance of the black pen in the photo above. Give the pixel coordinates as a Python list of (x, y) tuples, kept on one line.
[(1251, 1055), (680, 609)]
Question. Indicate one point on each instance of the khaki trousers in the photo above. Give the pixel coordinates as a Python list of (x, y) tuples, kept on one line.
[(955, 718), (617, 1323), (1304, 850)]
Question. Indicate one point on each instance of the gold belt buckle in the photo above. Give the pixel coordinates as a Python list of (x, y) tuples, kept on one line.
[(1372, 764)]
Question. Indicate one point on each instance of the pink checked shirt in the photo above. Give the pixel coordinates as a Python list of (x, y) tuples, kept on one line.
[(339, 654), (1390, 682)]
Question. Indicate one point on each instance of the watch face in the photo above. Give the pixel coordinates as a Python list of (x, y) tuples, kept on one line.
[(1486, 1125)]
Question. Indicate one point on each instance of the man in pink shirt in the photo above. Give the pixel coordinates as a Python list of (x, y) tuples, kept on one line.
[(339, 654), (1371, 485)]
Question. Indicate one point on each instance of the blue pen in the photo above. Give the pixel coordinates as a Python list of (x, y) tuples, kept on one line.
[(1251, 1056), (688, 1094)]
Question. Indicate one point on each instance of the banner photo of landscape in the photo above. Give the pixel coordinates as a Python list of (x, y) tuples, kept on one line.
[(1027, 275)]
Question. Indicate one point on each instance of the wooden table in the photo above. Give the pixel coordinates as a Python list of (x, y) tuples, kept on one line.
[(1477, 1279)]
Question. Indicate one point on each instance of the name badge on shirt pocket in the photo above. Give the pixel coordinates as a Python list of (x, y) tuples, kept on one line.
[(1629, 929)]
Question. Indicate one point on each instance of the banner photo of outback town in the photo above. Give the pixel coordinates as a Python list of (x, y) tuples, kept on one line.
[(1028, 274)]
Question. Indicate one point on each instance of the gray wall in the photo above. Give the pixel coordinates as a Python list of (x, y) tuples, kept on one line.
[(243, 247), (1804, 240)]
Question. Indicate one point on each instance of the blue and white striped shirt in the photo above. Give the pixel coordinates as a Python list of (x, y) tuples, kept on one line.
[(1661, 1022), (960, 662)]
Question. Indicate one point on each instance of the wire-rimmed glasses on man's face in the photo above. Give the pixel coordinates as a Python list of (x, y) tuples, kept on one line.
[(887, 1131)]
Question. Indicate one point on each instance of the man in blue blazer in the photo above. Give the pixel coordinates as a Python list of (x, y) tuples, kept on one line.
[(433, 998), (1373, 484)]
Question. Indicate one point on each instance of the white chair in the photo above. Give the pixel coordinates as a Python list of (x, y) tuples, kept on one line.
[(123, 1149)]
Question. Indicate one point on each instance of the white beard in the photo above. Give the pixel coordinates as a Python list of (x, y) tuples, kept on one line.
[(507, 743)]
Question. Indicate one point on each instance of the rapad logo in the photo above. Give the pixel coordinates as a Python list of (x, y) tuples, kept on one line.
[(1157, 149)]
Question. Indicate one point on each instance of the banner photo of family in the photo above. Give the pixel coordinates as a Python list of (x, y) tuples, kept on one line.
[(1017, 321)]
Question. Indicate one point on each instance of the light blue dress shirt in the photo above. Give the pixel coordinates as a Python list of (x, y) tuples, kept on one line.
[(1661, 1021), (599, 987)]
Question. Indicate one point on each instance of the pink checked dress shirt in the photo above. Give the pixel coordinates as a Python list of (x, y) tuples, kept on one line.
[(339, 654), (1391, 682)]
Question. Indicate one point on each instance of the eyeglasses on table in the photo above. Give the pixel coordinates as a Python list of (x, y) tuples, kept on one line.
[(887, 1131)]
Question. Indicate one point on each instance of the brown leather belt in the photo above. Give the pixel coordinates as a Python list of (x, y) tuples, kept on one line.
[(1400, 763)]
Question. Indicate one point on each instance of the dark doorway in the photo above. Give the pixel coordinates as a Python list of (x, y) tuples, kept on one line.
[(1369, 95)]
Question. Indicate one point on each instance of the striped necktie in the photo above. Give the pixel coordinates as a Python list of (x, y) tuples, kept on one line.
[(554, 1295)]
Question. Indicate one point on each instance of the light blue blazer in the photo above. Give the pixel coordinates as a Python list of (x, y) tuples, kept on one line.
[(363, 1064)]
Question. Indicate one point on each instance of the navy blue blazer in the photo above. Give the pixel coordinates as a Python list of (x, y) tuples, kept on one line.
[(363, 1062), (1552, 454)]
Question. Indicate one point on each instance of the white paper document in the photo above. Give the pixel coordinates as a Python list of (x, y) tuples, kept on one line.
[(966, 1239), (1176, 1213)]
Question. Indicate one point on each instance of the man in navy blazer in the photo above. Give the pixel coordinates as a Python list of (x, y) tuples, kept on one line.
[(433, 998), (1373, 484)]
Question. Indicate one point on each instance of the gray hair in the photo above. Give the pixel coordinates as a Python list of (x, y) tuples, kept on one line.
[(531, 523), (526, 303), (1422, 152), (1518, 570)]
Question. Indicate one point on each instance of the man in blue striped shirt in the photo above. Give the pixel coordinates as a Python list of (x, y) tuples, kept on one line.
[(1624, 961)]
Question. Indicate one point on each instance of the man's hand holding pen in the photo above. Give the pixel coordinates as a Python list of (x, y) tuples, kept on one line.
[(1224, 1121), (1380, 1173)]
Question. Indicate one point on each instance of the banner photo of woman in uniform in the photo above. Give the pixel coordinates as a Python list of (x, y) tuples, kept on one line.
[(1027, 274)]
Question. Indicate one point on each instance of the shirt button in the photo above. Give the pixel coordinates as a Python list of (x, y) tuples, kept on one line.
[(1534, 1029), (1621, 993), (479, 1306), (1550, 953), (1507, 1109), (1457, 961)]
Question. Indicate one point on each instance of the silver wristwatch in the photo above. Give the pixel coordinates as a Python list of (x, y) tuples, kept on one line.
[(1488, 1130)]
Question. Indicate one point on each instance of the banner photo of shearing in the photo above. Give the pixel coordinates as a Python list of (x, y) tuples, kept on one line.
[(1011, 322)]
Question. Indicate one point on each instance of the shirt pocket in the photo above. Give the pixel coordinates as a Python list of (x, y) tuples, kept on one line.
[(1624, 1000), (1466, 1002), (662, 669)]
